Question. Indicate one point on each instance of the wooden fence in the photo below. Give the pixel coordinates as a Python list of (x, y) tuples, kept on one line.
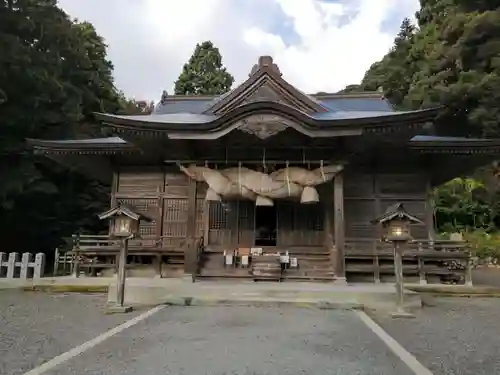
[(25, 266)]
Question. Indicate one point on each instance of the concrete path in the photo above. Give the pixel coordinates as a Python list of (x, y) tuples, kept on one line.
[(60, 334), (486, 276), (152, 292), (241, 340)]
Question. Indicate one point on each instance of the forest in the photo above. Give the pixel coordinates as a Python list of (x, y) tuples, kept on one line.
[(451, 57), (55, 72)]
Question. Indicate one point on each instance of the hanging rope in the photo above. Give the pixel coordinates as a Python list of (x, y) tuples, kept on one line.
[(264, 160), (239, 176), (322, 170), (287, 179)]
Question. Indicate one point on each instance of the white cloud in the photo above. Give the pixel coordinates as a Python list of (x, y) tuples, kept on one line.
[(150, 40)]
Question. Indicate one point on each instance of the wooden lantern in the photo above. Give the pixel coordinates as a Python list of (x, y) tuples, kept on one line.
[(124, 221), (396, 223)]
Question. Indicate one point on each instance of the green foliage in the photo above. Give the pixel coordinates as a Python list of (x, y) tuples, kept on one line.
[(452, 59), (53, 74), (464, 205), (483, 244), (134, 107), (204, 73)]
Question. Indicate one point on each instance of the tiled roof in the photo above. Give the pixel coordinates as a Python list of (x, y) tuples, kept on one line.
[(196, 106), (434, 138), (333, 102)]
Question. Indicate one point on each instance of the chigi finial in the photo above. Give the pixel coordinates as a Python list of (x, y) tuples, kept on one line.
[(164, 97), (265, 62)]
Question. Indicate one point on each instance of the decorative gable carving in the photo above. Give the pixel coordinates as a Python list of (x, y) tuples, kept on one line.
[(264, 93), (266, 84), (262, 126)]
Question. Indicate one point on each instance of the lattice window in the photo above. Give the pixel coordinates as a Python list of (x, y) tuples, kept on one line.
[(147, 182), (221, 214), (150, 205), (246, 215), (175, 217), (200, 209), (308, 217)]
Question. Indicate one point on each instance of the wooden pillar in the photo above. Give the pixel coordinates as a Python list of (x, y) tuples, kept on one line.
[(158, 259), (429, 212), (114, 187), (339, 225), (122, 269), (190, 249), (206, 221), (329, 243)]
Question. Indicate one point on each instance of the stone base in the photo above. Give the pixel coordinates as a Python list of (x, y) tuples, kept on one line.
[(340, 281), (116, 309), (401, 314)]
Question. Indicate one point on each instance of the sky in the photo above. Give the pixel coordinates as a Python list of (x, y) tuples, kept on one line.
[(319, 45)]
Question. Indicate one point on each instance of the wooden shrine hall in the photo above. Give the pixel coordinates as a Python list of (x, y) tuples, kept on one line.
[(268, 182)]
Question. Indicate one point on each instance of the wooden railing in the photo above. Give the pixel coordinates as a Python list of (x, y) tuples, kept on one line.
[(103, 243), (85, 249), (449, 260), (199, 246)]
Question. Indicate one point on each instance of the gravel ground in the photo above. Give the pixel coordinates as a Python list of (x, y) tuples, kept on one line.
[(35, 327), (240, 340), (458, 336), (486, 276)]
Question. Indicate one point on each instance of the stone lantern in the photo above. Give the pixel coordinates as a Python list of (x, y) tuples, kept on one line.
[(124, 223), (396, 225)]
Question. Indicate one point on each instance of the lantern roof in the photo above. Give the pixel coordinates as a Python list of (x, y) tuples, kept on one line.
[(396, 212), (126, 210)]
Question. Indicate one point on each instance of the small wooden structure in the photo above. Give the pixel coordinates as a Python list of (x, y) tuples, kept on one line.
[(367, 155), (25, 266), (266, 267)]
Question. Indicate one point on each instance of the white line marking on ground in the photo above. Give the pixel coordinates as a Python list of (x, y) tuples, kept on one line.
[(405, 356), (56, 361)]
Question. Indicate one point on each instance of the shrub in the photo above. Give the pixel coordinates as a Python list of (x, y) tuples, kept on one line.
[(483, 244)]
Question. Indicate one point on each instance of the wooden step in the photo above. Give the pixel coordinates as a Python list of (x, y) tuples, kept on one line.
[(224, 273)]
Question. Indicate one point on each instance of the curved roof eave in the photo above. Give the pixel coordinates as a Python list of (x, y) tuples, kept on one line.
[(92, 145), (437, 144), (187, 122)]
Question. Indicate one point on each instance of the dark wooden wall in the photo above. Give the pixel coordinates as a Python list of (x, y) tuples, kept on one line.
[(166, 194), (170, 194), (367, 194), (233, 223)]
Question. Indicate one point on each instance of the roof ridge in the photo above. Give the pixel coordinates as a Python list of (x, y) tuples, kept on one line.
[(353, 95), (190, 97)]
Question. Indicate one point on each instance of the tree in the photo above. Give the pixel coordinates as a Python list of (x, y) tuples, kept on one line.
[(392, 74), (204, 73), (451, 60), (53, 74)]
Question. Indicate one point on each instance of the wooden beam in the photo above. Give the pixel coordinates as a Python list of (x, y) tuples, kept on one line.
[(94, 166), (429, 211), (339, 225), (114, 187), (206, 221), (190, 250), (328, 226)]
